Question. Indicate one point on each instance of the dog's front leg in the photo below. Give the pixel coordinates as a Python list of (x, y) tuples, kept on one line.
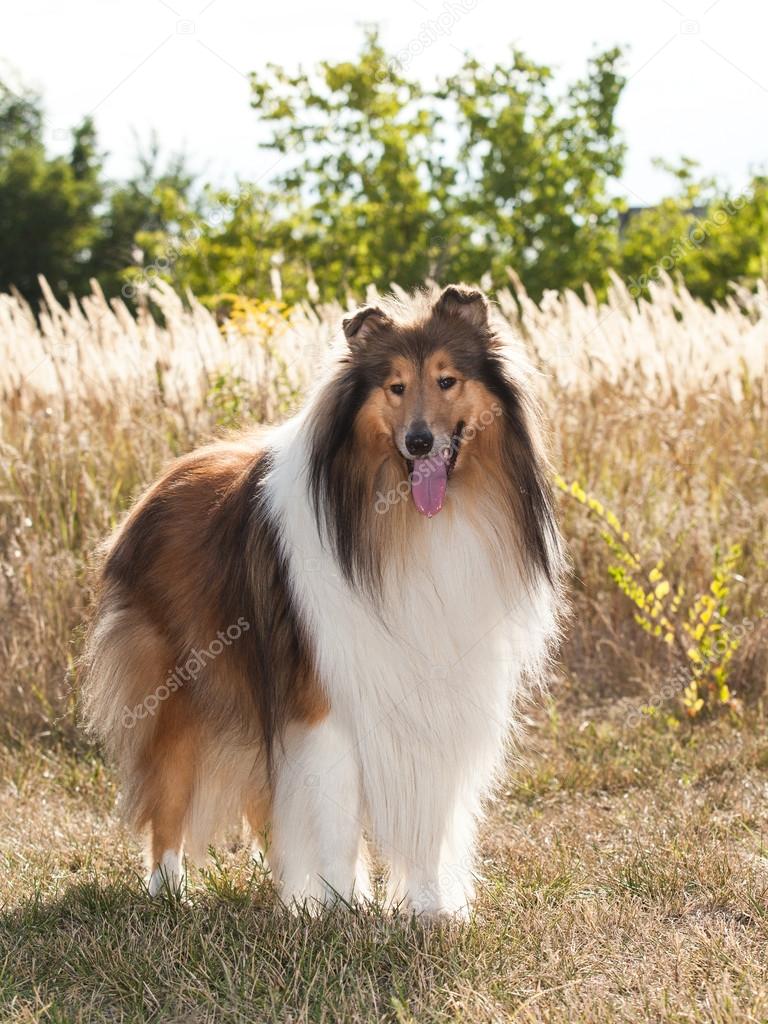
[(316, 848), (435, 877)]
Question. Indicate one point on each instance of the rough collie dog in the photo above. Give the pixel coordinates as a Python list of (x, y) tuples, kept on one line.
[(327, 629)]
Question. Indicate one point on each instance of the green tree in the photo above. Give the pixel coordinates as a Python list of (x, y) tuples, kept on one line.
[(143, 217), (378, 179), (702, 234), (229, 243), (60, 217), (533, 194), (48, 206), (361, 198), (21, 119), (386, 181)]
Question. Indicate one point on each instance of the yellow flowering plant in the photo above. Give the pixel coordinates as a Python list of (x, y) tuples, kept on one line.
[(697, 627)]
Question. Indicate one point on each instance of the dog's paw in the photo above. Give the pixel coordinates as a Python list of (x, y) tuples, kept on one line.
[(168, 876), (436, 902)]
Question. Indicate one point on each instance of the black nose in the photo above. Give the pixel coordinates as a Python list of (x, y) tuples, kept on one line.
[(419, 439)]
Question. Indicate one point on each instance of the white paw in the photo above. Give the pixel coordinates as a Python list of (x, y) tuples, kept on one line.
[(298, 903), (316, 896), (168, 875), (440, 911), (259, 856), (435, 901), (362, 890)]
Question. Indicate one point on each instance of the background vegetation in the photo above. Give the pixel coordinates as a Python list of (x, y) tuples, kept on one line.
[(658, 417), (623, 863), (378, 179)]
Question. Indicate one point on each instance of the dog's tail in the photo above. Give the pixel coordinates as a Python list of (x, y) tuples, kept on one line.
[(165, 747), (123, 683)]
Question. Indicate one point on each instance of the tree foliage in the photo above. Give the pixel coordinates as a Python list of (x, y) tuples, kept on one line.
[(377, 178), (47, 222), (61, 218), (702, 233), (382, 179)]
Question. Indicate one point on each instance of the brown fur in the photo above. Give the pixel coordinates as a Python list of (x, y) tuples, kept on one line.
[(195, 556)]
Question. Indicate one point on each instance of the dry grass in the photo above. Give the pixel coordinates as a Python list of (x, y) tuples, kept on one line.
[(660, 411), (625, 880), (625, 876)]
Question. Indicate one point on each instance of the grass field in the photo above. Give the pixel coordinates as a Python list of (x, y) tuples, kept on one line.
[(625, 880), (624, 870)]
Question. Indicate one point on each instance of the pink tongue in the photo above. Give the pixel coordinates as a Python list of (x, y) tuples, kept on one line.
[(428, 483)]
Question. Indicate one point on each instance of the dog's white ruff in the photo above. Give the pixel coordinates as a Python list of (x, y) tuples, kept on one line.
[(421, 692)]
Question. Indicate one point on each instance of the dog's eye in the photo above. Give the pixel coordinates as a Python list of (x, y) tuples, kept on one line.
[(397, 389), (446, 383)]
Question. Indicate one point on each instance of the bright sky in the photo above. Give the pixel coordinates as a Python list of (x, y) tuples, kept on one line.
[(698, 76)]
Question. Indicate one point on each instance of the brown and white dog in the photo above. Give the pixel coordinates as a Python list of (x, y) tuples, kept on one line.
[(327, 628)]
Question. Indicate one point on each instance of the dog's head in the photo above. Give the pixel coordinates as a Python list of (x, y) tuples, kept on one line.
[(427, 404), (426, 386)]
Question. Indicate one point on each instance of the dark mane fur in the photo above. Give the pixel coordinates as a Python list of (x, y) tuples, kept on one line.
[(337, 487), (526, 471)]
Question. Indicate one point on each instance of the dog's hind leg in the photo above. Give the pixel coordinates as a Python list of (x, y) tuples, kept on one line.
[(169, 787), (257, 812)]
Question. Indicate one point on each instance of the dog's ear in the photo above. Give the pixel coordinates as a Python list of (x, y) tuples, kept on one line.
[(468, 303), (359, 328)]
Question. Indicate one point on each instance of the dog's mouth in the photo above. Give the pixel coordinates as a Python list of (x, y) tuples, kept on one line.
[(429, 477)]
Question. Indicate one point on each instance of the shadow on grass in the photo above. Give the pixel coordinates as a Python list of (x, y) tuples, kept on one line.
[(109, 952)]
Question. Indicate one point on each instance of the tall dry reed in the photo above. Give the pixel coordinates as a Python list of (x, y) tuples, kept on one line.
[(659, 409)]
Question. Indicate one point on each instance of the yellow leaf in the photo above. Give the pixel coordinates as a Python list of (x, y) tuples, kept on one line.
[(613, 522), (662, 589)]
